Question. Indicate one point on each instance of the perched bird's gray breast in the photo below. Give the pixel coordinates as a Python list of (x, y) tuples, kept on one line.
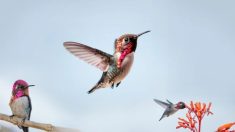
[(20, 107)]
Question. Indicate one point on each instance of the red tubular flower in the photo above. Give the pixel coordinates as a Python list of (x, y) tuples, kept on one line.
[(192, 106), (195, 114), (226, 127)]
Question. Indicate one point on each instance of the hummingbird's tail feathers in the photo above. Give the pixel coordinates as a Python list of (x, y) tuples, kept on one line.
[(161, 117), (93, 89), (25, 129), (99, 84)]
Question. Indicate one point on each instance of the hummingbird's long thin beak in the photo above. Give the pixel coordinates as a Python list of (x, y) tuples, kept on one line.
[(143, 33), (30, 86)]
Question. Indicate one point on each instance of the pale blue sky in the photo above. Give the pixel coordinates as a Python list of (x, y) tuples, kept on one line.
[(189, 55)]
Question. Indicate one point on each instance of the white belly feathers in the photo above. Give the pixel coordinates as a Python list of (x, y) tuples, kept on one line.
[(20, 106)]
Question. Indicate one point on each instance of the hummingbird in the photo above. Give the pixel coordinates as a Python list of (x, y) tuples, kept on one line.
[(169, 107), (20, 102), (114, 67)]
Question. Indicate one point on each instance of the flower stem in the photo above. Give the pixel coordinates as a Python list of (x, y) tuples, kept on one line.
[(199, 126)]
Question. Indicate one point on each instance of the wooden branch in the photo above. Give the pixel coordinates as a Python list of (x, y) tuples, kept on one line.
[(18, 121)]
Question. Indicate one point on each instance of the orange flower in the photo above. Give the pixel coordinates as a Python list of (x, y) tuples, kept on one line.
[(225, 127), (183, 120), (204, 107), (198, 106), (195, 114), (208, 109), (191, 104)]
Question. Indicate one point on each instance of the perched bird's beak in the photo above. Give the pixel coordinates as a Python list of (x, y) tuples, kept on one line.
[(30, 86), (142, 33)]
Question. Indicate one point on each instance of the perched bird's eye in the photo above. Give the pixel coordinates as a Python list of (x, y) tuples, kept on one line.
[(19, 87)]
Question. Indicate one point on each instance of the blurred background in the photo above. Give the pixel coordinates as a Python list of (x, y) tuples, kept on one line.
[(188, 55)]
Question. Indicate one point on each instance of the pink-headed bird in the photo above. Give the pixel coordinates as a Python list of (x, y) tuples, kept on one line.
[(20, 102)]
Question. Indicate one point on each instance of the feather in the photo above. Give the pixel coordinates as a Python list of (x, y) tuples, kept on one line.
[(90, 55)]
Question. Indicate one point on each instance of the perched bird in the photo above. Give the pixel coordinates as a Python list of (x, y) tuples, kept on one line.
[(20, 102), (169, 107), (115, 67), (225, 127)]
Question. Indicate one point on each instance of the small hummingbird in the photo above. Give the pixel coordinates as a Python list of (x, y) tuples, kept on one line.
[(20, 102), (115, 67), (169, 107)]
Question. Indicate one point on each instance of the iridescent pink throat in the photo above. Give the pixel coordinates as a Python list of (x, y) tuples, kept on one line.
[(18, 94), (123, 55)]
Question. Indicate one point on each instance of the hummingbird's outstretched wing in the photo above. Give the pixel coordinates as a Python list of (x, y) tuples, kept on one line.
[(163, 104), (169, 101), (90, 55)]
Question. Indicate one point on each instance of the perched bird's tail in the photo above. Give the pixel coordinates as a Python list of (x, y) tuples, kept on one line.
[(25, 129)]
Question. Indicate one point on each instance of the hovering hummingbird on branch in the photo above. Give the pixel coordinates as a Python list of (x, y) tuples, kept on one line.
[(20, 102), (169, 107), (115, 67)]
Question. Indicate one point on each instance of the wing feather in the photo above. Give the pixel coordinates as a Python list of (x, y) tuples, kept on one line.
[(90, 55), (163, 104)]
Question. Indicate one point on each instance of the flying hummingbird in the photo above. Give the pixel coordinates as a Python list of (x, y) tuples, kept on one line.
[(169, 107), (20, 102), (115, 67)]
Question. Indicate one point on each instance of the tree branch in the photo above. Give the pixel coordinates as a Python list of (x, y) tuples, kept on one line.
[(18, 121)]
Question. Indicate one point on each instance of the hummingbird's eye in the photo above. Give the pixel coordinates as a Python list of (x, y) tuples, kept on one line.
[(19, 87), (126, 40)]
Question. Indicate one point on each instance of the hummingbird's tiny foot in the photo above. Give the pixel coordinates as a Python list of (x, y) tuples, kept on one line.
[(22, 122), (112, 85), (118, 84), (11, 117)]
